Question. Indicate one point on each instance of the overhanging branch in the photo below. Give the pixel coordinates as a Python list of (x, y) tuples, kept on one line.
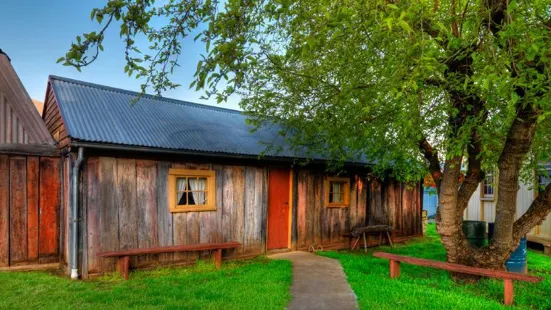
[(431, 155)]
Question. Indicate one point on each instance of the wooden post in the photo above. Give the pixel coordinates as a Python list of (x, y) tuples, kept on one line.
[(394, 269), (508, 293), (123, 267), (389, 239), (365, 243), (218, 258), (380, 238), (356, 243)]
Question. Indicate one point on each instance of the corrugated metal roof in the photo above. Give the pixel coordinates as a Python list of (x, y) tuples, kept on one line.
[(97, 113)]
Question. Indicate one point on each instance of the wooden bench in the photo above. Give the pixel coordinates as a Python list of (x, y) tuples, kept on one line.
[(124, 255), (507, 277), (360, 232)]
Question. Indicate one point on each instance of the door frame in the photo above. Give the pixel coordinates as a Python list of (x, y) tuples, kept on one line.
[(291, 208)]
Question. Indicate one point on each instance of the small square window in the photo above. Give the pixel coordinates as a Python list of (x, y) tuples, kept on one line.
[(488, 187), (337, 192), (191, 190)]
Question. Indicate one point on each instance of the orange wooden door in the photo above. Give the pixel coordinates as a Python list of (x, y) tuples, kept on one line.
[(278, 209)]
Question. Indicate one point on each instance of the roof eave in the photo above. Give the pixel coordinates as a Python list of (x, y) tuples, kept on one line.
[(214, 155)]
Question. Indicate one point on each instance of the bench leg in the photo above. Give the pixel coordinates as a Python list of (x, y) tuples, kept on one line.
[(355, 243), (218, 258), (389, 239), (394, 269), (123, 266), (365, 243), (508, 292)]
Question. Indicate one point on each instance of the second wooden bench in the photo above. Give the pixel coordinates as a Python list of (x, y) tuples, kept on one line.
[(507, 277), (124, 255)]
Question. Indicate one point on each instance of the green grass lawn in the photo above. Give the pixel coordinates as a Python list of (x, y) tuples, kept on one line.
[(427, 288), (253, 284)]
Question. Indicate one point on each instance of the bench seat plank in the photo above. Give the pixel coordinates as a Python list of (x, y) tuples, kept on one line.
[(172, 249), (499, 274)]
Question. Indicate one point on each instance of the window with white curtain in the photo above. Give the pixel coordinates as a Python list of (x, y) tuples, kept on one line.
[(191, 190), (337, 192)]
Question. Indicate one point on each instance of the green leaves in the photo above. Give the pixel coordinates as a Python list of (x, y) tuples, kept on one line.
[(353, 79)]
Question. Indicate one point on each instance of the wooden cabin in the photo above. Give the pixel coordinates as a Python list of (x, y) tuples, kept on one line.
[(30, 180), (166, 172)]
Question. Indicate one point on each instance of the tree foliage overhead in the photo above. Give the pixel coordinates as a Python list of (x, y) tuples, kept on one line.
[(415, 85), (371, 78)]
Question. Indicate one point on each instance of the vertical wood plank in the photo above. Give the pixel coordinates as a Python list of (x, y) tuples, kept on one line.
[(18, 210), (108, 210), (228, 210), (318, 184), (95, 264), (126, 199), (4, 210), (146, 174), (354, 202), (250, 188), (391, 203), (50, 203), (192, 234), (65, 212), (310, 209), (218, 214), (164, 216), (83, 223), (261, 210), (301, 208), (32, 207), (362, 201), (238, 205)]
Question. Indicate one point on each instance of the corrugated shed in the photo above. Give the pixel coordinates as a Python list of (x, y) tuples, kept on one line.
[(96, 113)]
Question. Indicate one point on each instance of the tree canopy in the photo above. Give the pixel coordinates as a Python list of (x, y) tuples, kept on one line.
[(413, 85)]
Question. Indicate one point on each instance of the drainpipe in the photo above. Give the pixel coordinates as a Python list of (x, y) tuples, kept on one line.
[(74, 214)]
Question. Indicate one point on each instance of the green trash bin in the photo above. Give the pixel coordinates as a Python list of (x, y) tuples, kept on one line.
[(475, 232)]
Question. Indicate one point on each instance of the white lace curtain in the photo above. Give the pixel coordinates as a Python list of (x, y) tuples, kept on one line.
[(194, 186)]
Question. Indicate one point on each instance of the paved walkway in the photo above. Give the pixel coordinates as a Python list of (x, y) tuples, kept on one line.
[(319, 283)]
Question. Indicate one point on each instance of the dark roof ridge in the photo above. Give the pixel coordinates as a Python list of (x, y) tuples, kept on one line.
[(134, 93)]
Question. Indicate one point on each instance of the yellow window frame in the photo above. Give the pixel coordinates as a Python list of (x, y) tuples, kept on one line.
[(346, 202), (175, 173)]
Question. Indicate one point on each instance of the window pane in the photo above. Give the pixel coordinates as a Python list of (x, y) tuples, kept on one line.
[(202, 184), (200, 198), (191, 200), (181, 198), (181, 184), (336, 197)]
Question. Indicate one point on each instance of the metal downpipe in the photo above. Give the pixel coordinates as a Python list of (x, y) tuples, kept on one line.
[(74, 214)]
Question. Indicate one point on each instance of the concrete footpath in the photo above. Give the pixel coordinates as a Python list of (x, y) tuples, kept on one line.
[(319, 283)]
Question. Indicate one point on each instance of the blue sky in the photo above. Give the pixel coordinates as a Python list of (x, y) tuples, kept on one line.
[(35, 33)]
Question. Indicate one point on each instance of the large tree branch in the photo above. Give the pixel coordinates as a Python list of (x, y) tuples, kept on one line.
[(474, 173), (518, 143), (538, 212), (431, 155)]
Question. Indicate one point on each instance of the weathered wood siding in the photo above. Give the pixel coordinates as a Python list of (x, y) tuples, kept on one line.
[(371, 203), (30, 201), (11, 127), (19, 119), (53, 120), (125, 205)]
